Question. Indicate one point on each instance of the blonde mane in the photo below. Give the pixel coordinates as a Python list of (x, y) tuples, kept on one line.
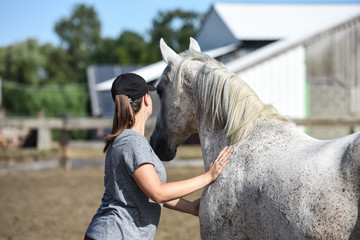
[(224, 97)]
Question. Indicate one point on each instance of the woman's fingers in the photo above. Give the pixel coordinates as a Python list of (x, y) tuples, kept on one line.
[(224, 157), (218, 164)]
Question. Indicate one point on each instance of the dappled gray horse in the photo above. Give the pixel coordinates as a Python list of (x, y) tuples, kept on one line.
[(280, 183)]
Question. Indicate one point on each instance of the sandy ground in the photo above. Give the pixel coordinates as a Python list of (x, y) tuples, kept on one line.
[(57, 204)]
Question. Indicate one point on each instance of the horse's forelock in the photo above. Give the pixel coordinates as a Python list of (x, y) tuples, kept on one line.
[(177, 75)]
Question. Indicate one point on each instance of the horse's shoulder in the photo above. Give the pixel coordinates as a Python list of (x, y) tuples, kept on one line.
[(355, 146)]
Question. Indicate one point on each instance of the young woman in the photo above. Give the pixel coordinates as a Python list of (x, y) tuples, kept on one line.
[(135, 178)]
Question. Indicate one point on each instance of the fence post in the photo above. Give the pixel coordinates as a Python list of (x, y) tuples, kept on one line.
[(43, 141), (64, 141), (352, 129)]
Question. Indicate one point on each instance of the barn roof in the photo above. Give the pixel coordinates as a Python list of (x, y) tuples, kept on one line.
[(279, 47), (279, 21), (227, 23)]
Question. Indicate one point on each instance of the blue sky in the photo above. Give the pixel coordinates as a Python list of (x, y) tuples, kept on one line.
[(22, 19)]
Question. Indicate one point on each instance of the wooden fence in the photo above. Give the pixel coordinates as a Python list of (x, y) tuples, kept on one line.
[(65, 125), (75, 123)]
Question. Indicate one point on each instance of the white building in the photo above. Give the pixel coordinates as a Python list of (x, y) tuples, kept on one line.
[(302, 58)]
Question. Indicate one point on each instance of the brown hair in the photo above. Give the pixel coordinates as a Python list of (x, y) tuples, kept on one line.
[(124, 117)]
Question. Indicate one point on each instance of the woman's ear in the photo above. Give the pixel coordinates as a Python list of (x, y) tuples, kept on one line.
[(146, 99)]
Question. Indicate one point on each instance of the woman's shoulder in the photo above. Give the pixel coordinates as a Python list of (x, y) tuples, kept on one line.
[(128, 144), (130, 138)]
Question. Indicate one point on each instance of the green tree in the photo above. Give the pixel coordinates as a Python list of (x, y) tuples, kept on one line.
[(176, 27), (57, 68), (30, 63), (54, 99), (105, 53), (22, 62), (80, 36), (128, 48), (132, 48), (37, 78)]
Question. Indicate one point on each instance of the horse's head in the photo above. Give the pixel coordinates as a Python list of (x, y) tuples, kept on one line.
[(198, 93), (176, 120)]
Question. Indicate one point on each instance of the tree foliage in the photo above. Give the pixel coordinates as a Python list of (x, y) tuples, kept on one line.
[(176, 27), (53, 78), (129, 48), (28, 71), (52, 99), (80, 36), (23, 62)]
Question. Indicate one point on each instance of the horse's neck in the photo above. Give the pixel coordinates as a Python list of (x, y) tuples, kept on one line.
[(213, 140)]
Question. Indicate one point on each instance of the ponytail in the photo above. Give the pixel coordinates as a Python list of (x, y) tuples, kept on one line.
[(124, 117)]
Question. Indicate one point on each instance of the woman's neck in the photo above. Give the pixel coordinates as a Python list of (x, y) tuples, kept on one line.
[(139, 125)]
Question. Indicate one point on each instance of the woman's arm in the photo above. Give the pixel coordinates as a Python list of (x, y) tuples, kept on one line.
[(149, 182), (184, 205)]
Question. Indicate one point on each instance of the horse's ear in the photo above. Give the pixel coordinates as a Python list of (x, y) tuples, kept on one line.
[(194, 45), (168, 54)]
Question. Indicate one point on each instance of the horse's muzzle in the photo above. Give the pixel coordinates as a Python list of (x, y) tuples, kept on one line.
[(161, 148)]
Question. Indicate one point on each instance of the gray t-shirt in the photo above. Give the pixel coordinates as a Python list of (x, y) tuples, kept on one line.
[(126, 212)]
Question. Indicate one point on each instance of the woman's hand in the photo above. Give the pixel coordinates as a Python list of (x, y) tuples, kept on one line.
[(148, 180), (218, 164)]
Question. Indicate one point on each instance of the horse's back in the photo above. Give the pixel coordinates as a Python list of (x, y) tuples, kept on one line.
[(306, 188)]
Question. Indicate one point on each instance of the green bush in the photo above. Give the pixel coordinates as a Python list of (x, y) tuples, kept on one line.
[(53, 100)]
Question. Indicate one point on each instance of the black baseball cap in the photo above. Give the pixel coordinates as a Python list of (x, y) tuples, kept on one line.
[(131, 85)]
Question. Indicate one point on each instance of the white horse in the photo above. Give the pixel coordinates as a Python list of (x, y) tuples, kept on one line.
[(280, 182)]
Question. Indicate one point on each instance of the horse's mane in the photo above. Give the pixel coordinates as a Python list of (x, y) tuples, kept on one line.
[(224, 97)]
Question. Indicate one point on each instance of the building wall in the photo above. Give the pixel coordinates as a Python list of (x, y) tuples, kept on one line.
[(333, 75), (318, 79), (280, 81)]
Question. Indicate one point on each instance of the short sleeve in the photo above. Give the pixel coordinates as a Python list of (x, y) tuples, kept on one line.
[(137, 152)]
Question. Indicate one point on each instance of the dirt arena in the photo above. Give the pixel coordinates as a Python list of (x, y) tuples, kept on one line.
[(57, 204)]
